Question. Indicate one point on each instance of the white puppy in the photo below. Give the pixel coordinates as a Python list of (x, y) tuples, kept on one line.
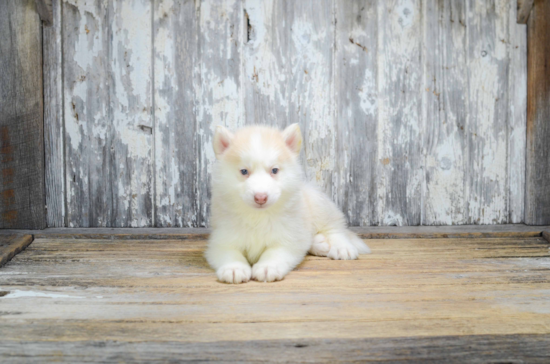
[(264, 214)]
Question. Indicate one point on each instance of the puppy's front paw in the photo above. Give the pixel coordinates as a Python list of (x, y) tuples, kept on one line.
[(268, 272), (234, 273), (319, 247), (343, 252)]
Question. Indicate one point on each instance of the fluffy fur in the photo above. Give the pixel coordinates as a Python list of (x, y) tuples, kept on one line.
[(260, 239)]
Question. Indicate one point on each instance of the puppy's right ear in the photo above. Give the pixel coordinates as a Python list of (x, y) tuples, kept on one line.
[(222, 140)]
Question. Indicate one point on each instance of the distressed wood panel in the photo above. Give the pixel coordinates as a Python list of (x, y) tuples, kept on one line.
[(220, 101), (356, 97), (53, 120), (445, 110), (197, 87), (176, 64), (413, 112), (400, 166), (288, 79), (486, 127), (108, 102), (537, 194), (21, 117), (517, 118)]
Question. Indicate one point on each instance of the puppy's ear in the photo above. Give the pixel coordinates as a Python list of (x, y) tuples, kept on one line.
[(222, 140), (293, 137)]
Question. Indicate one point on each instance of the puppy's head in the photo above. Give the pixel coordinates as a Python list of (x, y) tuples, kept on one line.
[(258, 165)]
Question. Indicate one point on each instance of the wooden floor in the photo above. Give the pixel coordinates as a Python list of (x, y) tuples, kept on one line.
[(462, 300)]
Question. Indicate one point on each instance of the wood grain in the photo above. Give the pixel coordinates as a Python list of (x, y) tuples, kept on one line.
[(400, 175), (448, 349), (68, 294), (487, 59), (517, 118), (176, 77), (413, 112), (356, 93), (537, 184), (21, 117), (108, 104), (372, 232), (54, 138), (524, 10), (445, 106), (11, 245)]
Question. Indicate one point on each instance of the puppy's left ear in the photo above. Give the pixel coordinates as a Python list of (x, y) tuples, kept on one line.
[(293, 137), (222, 140)]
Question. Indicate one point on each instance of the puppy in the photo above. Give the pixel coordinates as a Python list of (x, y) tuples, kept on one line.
[(263, 213)]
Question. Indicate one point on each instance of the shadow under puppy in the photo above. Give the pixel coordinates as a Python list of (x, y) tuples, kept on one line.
[(264, 214)]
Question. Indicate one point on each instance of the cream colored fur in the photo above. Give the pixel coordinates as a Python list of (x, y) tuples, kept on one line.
[(265, 242)]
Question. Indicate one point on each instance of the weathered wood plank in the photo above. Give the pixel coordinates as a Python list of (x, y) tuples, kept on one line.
[(546, 235), (176, 72), (400, 173), (21, 117), (11, 245), (517, 113), (53, 121), (372, 232), (219, 93), (523, 10), (108, 102), (142, 293), (448, 349), (486, 135), (356, 92), (131, 104), (445, 84), (537, 194), (288, 65)]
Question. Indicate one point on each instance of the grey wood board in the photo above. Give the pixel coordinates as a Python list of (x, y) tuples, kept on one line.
[(21, 117), (448, 349), (53, 120), (107, 110), (356, 97), (413, 112), (487, 94), (11, 245), (446, 106), (365, 232), (537, 199), (176, 61), (517, 119)]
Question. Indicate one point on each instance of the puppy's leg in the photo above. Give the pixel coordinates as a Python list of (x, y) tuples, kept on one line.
[(230, 264), (319, 246), (340, 246), (275, 263)]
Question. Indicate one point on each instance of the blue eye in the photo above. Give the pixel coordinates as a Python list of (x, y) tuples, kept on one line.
[(244, 172), (275, 170)]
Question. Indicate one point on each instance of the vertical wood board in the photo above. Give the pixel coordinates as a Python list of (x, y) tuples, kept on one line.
[(413, 112), (22, 196)]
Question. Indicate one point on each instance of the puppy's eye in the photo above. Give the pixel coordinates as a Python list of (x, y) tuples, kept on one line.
[(244, 172), (275, 170)]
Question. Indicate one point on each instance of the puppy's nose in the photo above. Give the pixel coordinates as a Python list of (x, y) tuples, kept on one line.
[(260, 198)]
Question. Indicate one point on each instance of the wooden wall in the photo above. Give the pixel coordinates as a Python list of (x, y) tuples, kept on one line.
[(21, 117), (413, 111)]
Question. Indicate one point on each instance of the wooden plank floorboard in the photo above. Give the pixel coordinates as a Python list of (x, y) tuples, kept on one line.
[(371, 232), (107, 300), (11, 245)]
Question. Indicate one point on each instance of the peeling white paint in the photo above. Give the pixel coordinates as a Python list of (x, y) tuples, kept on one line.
[(29, 294)]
